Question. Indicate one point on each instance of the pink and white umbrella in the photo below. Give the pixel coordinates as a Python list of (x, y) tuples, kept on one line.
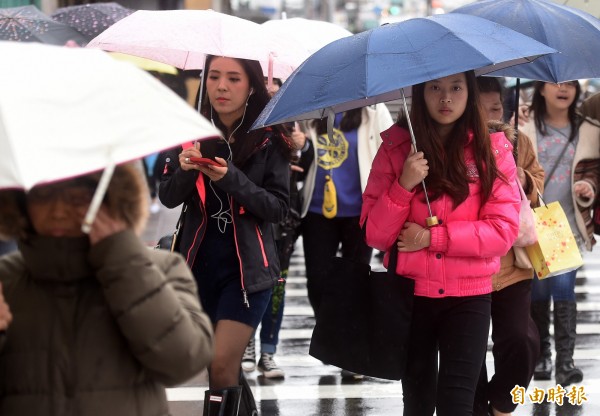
[(306, 35), (183, 38)]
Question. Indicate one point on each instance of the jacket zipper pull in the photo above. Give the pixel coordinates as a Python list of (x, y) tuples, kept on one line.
[(245, 296)]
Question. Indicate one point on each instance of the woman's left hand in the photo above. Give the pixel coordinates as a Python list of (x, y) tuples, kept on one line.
[(413, 237), (584, 190), (214, 172)]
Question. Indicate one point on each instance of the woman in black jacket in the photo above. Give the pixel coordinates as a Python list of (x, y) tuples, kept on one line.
[(230, 209)]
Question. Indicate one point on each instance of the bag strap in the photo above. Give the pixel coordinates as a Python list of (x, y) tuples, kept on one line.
[(521, 190), (562, 153), (178, 226), (393, 262), (180, 220)]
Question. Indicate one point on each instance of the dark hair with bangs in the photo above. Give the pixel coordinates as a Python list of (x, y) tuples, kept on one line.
[(351, 120), (447, 168), (246, 141), (538, 106), (490, 84)]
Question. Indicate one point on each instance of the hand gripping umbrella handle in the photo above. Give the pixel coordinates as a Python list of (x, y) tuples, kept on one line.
[(90, 215)]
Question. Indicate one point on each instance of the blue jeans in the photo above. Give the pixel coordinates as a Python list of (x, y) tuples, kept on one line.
[(271, 324), (272, 318), (560, 288)]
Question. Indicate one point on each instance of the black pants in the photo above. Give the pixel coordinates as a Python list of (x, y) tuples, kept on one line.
[(321, 238), (516, 349), (458, 328)]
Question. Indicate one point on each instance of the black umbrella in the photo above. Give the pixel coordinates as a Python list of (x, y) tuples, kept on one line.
[(91, 19), (29, 24)]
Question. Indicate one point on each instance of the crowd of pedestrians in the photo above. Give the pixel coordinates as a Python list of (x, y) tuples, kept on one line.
[(99, 324)]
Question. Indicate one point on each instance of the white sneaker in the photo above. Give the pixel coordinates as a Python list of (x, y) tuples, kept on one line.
[(249, 357), (268, 367)]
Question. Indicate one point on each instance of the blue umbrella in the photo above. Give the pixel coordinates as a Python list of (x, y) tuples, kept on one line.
[(374, 66), (575, 34)]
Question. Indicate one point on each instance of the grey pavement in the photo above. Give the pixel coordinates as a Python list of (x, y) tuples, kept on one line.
[(311, 388)]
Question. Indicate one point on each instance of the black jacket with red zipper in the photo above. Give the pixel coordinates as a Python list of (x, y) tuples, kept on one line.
[(259, 198)]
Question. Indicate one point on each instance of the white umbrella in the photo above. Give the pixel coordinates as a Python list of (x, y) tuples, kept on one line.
[(65, 112)]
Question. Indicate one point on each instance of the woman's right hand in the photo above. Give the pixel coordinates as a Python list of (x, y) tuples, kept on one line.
[(414, 171), (5, 315), (184, 156), (298, 137)]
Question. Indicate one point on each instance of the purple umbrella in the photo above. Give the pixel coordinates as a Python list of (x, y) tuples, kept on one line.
[(91, 19), (29, 24)]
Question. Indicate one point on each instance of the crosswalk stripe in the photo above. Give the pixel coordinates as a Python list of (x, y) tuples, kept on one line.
[(385, 389), (307, 310), (287, 334)]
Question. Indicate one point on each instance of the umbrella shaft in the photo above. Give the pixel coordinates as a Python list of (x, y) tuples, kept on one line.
[(414, 143)]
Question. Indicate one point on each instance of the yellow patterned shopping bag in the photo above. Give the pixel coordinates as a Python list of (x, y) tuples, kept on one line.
[(556, 250)]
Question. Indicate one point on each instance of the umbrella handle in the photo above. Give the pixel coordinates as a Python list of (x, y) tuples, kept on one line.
[(90, 215), (270, 71), (202, 88), (432, 219)]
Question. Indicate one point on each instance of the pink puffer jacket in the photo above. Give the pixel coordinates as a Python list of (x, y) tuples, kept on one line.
[(467, 244)]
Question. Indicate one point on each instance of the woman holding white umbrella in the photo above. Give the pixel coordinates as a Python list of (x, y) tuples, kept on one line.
[(101, 324), (232, 203)]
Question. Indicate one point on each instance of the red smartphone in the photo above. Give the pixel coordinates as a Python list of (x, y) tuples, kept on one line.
[(204, 161)]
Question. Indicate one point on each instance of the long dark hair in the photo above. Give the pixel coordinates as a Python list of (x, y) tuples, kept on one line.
[(246, 141), (538, 106), (447, 168), (350, 121)]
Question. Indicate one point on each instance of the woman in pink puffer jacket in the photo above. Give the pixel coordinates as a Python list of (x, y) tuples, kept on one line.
[(472, 189)]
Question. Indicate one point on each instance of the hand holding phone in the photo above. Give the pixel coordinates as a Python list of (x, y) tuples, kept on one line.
[(204, 161)]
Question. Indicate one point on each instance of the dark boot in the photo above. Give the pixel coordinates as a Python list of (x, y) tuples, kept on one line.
[(540, 312), (565, 324), (225, 402)]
